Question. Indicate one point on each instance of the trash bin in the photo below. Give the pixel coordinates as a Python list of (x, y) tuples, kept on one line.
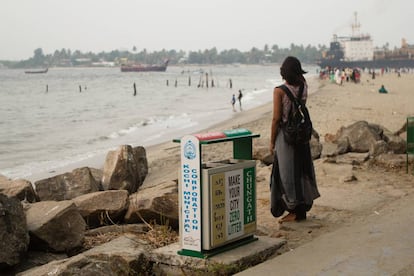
[(217, 199), (229, 202)]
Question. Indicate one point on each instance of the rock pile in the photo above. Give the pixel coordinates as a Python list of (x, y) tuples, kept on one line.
[(52, 216)]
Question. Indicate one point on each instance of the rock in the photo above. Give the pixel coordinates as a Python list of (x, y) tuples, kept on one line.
[(55, 225), (349, 178), (67, 186), (391, 161), (315, 146), (263, 154), (329, 149), (351, 158), (124, 228), (34, 259), (14, 236), (125, 169), (122, 256), (20, 189), (359, 136), (141, 158), (102, 208), (365, 137), (97, 175), (343, 146), (158, 203), (377, 148), (395, 143)]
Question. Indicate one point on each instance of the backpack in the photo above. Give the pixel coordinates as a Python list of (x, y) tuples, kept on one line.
[(298, 128)]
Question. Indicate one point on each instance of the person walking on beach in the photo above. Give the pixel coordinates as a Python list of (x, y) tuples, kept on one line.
[(239, 97), (292, 183), (233, 102)]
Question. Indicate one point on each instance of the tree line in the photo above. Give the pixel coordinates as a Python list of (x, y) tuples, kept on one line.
[(67, 58)]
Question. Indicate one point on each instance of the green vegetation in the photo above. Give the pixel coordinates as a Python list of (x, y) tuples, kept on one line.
[(67, 58)]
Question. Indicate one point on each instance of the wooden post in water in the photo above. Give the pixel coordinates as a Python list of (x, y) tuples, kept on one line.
[(135, 89), (207, 80)]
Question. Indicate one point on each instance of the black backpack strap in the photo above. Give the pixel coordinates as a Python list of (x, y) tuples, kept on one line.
[(293, 99)]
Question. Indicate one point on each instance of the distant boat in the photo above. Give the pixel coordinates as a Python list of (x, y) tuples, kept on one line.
[(144, 67), (44, 71)]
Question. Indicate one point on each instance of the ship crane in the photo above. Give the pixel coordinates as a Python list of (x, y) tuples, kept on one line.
[(355, 26)]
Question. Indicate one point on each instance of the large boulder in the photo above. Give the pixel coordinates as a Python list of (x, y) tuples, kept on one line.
[(358, 136), (158, 204), (55, 225), (20, 189), (125, 169), (125, 255), (67, 186), (365, 137), (14, 237), (102, 208)]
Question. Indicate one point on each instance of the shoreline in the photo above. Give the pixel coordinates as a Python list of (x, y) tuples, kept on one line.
[(97, 161), (331, 106)]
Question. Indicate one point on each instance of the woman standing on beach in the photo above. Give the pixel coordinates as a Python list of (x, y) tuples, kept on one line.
[(292, 183)]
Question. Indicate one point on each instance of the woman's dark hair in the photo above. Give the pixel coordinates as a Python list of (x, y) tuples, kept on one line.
[(292, 71)]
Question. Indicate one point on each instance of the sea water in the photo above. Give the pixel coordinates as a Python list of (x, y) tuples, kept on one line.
[(51, 120)]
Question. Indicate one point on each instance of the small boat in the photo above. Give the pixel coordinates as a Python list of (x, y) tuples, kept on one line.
[(144, 67), (44, 71)]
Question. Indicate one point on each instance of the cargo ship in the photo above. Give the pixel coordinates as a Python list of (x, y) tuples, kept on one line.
[(358, 51)]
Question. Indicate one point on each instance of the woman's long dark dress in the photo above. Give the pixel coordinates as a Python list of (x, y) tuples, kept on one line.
[(293, 183)]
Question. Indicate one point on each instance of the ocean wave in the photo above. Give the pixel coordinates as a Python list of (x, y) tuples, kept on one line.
[(155, 123)]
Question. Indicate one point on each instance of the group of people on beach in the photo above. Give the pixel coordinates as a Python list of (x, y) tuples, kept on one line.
[(339, 76)]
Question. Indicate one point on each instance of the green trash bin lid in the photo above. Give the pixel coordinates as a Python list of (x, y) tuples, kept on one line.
[(237, 132)]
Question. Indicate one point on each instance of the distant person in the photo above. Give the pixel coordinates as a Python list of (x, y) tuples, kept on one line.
[(292, 182), (239, 97), (338, 77), (382, 90), (233, 102)]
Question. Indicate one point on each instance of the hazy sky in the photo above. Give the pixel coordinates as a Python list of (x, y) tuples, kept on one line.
[(104, 25)]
